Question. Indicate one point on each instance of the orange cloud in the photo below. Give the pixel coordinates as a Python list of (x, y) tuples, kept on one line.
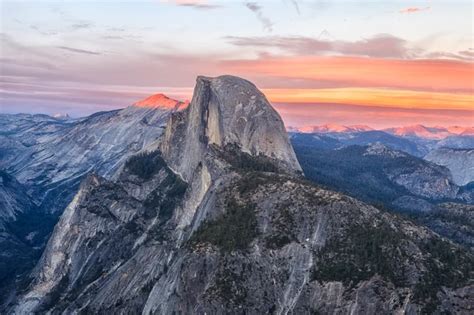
[(374, 98), (428, 75), (302, 114), (414, 10)]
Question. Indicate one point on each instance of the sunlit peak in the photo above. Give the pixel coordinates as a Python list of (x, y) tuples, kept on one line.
[(160, 101)]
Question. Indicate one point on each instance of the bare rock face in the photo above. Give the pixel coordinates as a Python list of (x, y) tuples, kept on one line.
[(419, 177), (17, 244), (49, 157), (459, 161), (226, 110), (213, 224)]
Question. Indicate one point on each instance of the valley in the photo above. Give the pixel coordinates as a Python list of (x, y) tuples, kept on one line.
[(214, 208)]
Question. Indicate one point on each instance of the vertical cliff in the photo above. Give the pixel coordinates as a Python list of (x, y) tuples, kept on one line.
[(226, 110)]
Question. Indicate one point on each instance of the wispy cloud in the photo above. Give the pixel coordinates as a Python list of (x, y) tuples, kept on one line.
[(197, 4), (468, 53), (81, 25), (257, 9), (42, 31), (296, 5), (378, 46), (116, 29), (414, 10), (382, 45), (79, 51)]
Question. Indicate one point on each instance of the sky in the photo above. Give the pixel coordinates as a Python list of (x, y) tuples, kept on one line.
[(380, 63)]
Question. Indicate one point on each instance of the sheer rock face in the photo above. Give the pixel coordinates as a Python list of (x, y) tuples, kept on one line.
[(226, 110), (237, 235)]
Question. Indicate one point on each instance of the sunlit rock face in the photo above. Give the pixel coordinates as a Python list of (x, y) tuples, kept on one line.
[(161, 101), (226, 110), (220, 221)]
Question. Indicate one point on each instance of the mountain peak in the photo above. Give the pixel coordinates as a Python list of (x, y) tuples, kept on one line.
[(160, 100), (227, 110), (420, 131), (459, 130), (61, 116)]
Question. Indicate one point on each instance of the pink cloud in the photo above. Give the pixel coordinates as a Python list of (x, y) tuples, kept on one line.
[(381, 45), (413, 10), (426, 74)]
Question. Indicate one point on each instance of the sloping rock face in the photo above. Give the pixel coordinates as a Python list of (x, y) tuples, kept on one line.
[(459, 161), (457, 142), (234, 229), (17, 245), (49, 157), (452, 220), (53, 156), (14, 199)]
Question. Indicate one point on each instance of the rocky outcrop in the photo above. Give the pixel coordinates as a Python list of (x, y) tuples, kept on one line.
[(219, 223), (226, 110), (459, 161), (378, 149), (420, 178)]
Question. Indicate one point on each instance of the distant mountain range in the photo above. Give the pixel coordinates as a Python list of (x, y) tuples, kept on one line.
[(420, 131), (395, 180), (209, 207), (331, 128), (452, 147), (205, 210)]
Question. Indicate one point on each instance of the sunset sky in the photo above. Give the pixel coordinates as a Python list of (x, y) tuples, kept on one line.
[(380, 63)]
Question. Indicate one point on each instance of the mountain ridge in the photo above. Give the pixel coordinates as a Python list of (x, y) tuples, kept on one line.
[(421, 131), (231, 232), (49, 158)]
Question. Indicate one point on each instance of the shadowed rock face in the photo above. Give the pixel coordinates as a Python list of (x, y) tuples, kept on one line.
[(235, 233)]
